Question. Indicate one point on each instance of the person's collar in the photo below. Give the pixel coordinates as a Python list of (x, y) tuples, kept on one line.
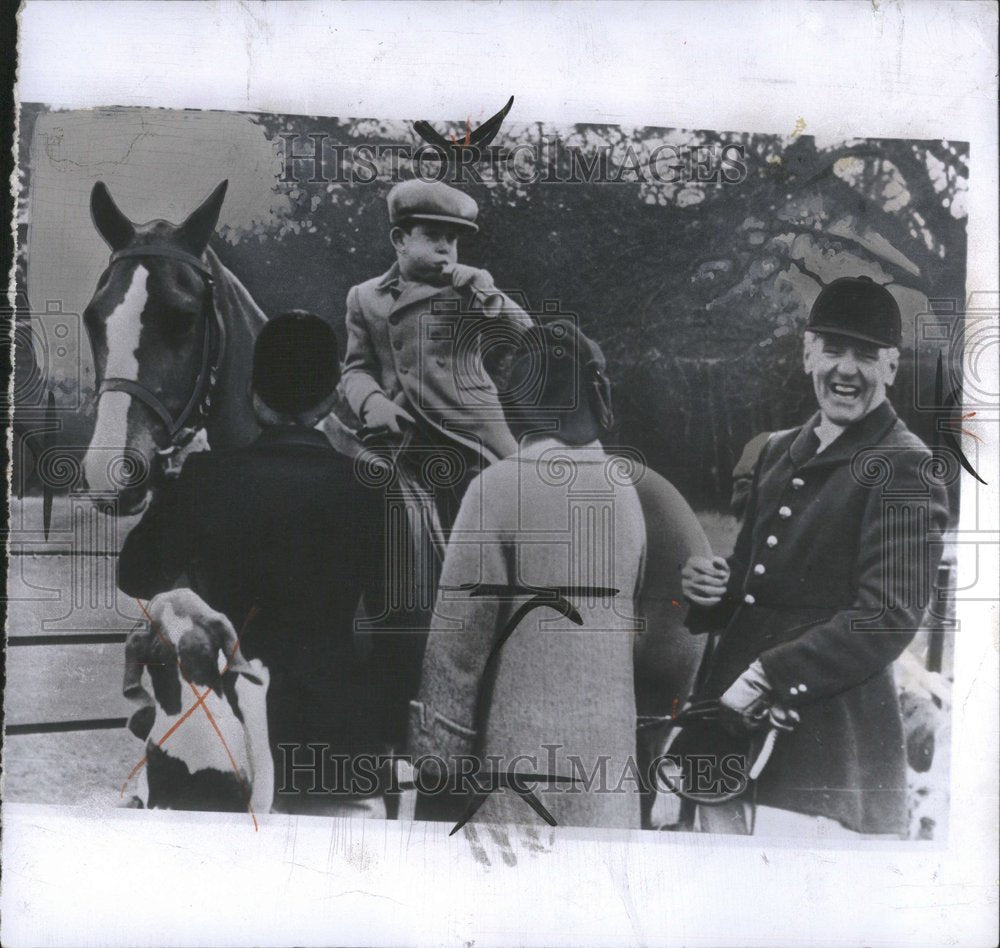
[(293, 435), (534, 448), (827, 432), (867, 431), (390, 278), (406, 292)]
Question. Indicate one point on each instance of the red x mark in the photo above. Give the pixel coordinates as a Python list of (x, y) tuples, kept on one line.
[(969, 414), (200, 703), (468, 132)]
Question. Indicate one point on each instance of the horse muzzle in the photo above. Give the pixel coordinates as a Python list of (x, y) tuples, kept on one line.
[(131, 504), (122, 476)]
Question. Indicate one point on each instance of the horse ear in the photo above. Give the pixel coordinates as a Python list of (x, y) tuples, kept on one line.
[(199, 227), (111, 223)]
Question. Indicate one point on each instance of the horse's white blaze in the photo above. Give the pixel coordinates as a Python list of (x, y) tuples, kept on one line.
[(122, 332)]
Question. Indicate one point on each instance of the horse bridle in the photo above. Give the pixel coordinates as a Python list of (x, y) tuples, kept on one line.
[(213, 349)]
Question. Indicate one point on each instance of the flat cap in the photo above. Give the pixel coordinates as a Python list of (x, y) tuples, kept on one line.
[(418, 200), (859, 308)]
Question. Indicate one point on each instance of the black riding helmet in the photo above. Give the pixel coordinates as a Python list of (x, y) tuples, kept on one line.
[(858, 308), (296, 363)]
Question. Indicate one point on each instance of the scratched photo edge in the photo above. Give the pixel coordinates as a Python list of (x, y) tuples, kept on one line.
[(677, 130)]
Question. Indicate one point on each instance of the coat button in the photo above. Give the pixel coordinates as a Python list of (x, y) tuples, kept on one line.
[(772, 540), (749, 599), (760, 569), (397, 344), (803, 689), (394, 319), (403, 369), (793, 690), (784, 512), (798, 483)]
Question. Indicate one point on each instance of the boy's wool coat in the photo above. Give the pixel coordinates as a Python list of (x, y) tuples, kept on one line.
[(420, 345)]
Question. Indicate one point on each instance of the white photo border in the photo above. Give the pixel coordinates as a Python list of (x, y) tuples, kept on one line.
[(852, 69)]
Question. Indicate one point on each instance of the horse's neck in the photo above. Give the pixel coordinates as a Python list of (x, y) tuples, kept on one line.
[(231, 418), (231, 422)]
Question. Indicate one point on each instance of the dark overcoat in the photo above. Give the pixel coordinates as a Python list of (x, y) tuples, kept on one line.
[(282, 525), (420, 346), (829, 580)]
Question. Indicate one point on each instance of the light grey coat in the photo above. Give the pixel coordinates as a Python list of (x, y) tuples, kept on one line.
[(419, 345), (550, 515)]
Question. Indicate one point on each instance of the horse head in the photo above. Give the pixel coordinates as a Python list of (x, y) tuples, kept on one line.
[(156, 344)]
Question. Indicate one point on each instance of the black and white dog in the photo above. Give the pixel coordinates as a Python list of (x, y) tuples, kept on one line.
[(219, 760)]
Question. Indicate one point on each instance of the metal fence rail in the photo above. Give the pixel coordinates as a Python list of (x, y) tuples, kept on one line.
[(61, 552), (70, 638), (62, 727), (60, 639), (933, 658), (82, 724)]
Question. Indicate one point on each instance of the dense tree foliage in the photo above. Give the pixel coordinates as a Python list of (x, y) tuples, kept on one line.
[(697, 290)]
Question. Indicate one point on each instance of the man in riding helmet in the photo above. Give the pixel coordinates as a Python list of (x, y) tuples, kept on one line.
[(827, 585)]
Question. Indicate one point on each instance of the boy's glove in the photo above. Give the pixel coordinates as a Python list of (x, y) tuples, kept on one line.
[(380, 411), (462, 275), (481, 285), (174, 458)]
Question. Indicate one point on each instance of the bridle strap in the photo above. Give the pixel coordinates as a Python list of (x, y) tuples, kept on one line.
[(162, 250), (148, 398), (133, 388), (205, 381)]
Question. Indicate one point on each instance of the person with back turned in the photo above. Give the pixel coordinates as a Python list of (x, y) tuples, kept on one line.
[(576, 550), (282, 538)]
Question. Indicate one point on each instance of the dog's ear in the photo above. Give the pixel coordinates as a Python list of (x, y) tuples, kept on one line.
[(137, 654), (224, 636)]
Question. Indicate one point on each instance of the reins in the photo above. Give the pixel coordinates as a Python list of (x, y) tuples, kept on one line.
[(699, 712)]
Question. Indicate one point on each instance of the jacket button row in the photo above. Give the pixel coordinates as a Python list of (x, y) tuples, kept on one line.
[(798, 690), (798, 483), (784, 512)]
